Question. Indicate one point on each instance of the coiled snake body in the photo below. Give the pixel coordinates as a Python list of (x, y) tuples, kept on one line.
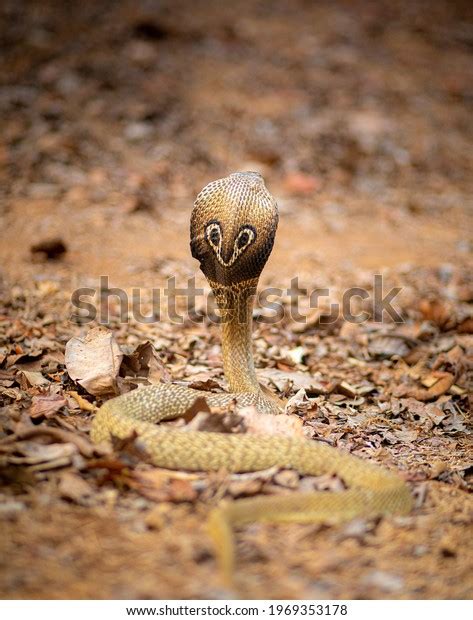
[(233, 226)]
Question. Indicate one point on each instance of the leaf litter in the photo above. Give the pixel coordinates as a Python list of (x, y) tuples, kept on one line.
[(400, 414)]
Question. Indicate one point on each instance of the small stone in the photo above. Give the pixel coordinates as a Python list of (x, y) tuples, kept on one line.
[(49, 249)]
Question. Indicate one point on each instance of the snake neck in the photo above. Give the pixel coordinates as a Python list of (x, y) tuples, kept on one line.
[(235, 303)]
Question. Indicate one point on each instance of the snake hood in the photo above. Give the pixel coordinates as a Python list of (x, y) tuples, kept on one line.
[(233, 225)]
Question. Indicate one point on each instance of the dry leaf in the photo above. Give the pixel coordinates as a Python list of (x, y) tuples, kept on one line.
[(297, 355), (400, 436), (181, 491), (83, 445), (385, 347), (347, 390), (31, 379), (73, 487), (264, 424), (284, 380), (157, 485), (441, 383), (244, 488), (198, 406), (46, 406), (440, 312), (94, 361), (287, 478), (34, 453), (300, 403), (144, 362), (227, 422)]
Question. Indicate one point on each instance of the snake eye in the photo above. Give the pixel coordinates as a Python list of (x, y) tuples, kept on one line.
[(246, 236), (213, 234), (243, 239)]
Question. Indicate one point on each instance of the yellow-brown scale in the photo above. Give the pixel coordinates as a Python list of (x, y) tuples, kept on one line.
[(233, 226)]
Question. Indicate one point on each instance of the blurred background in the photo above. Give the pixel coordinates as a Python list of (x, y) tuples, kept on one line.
[(358, 114)]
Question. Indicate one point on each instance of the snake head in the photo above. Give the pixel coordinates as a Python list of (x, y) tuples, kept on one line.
[(233, 225)]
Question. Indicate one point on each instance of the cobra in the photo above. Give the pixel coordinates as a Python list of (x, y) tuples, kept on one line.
[(233, 226)]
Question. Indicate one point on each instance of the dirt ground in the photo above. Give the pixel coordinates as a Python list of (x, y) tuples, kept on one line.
[(358, 115)]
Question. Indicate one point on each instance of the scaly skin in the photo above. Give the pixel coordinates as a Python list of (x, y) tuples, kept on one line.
[(233, 226)]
